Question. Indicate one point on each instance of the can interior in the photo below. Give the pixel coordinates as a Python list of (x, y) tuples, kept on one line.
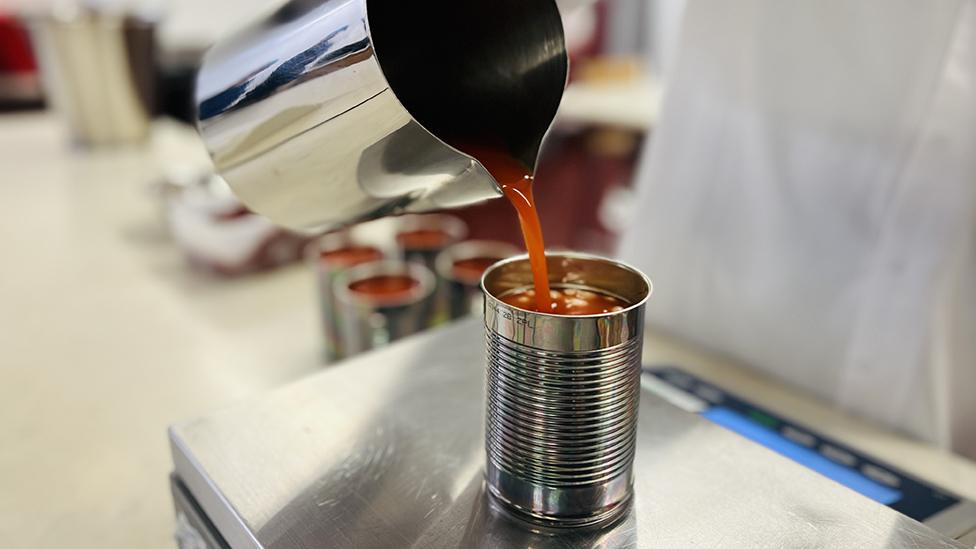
[(578, 271), (385, 268)]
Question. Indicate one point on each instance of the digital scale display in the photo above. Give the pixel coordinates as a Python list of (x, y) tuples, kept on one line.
[(884, 484)]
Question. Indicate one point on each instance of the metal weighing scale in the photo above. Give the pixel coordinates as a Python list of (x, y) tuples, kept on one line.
[(386, 450)]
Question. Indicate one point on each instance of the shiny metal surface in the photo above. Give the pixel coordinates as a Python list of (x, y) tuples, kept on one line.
[(333, 111), (464, 297), (99, 73), (969, 540), (326, 274), (562, 333), (561, 420), (367, 322), (455, 230), (386, 450), (956, 520), (193, 529)]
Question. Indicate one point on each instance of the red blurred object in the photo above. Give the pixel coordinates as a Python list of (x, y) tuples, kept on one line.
[(20, 84), (16, 55)]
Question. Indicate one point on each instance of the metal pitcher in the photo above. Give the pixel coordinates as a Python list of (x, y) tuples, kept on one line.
[(330, 112)]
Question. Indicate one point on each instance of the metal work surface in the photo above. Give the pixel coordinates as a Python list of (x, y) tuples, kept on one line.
[(387, 451)]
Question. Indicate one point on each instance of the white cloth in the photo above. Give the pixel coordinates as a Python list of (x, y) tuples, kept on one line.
[(809, 201)]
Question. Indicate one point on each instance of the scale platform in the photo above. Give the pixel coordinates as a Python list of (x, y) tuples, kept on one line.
[(386, 450)]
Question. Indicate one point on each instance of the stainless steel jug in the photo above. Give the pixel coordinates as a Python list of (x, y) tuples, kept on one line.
[(329, 112)]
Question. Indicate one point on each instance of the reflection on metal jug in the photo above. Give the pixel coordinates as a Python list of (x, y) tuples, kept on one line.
[(99, 73), (329, 112)]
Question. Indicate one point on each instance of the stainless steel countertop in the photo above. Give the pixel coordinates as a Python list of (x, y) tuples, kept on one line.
[(386, 451)]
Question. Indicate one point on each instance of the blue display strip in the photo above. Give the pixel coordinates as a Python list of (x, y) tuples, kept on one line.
[(736, 422)]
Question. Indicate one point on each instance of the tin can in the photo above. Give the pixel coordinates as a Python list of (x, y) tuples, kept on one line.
[(459, 269), (327, 113), (563, 394), (375, 313), (330, 256), (421, 238)]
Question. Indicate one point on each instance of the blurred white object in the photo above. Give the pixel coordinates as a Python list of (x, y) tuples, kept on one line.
[(809, 204), (218, 234), (580, 26), (665, 28), (651, 26), (98, 70), (194, 25), (631, 104)]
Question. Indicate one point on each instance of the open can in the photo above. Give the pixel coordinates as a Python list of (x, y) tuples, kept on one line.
[(330, 256), (459, 271), (382, 302), (420, 239), (563, 394)]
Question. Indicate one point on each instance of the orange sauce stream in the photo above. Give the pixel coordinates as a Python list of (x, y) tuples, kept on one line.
[(516, 180)]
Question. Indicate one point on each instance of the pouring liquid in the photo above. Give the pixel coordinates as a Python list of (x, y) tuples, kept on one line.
[(516, 181)]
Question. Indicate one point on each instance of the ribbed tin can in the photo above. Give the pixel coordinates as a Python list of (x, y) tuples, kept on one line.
[(563, 394)]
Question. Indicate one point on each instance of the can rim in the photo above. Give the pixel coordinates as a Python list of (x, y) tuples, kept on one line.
[(470, 249), (570, 255), (454, 227), (382, 267)]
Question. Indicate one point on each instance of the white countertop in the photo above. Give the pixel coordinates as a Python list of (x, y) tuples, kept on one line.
[(106, 338)]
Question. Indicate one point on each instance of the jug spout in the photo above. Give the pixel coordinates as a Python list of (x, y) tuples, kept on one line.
[(330, 112)]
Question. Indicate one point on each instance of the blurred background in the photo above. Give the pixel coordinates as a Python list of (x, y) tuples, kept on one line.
[(797, 181)]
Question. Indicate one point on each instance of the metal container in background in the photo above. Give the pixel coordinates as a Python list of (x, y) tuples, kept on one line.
[(460, 291), (322, 256), (330, 112), (369, 322), (420, 238), (436, 232), (563, 393), (99, 73)]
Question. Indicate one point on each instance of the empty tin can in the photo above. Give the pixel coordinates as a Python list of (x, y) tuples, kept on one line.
[(563, 394), (381, 302), (459, 271)]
